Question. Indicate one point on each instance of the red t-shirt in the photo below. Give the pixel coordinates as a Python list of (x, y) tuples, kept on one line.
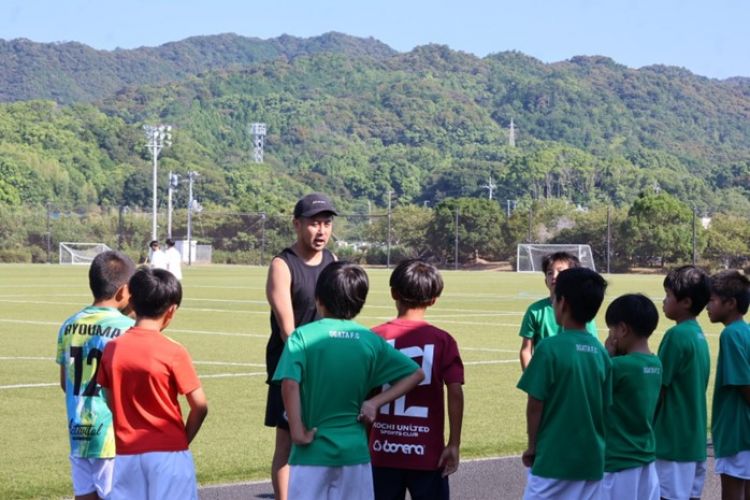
[(144, 372), (409, 432)]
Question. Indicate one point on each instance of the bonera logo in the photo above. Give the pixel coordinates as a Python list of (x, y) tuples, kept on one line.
[(406, 449)]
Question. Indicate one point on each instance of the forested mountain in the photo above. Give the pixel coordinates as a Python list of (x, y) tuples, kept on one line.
[(70, 72), (357, 119)]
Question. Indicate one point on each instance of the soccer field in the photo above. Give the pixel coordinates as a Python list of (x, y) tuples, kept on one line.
[(223, 322)]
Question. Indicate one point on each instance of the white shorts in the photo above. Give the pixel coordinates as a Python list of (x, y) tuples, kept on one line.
[(736, 465), (561, 489), (681, 480), (349, 482), (157, 474), (92, 475), (637, 483)]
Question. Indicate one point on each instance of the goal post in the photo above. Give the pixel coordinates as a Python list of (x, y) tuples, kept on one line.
[(80, 253), (529, 255)]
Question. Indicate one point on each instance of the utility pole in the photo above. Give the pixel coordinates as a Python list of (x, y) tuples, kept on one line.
[(455, 244), (512, 134), (49, 232), (388, 238), (609, 238), (262, 235), (157, 137), (191, 205), (490, 186), (174, 181), (694, 253)]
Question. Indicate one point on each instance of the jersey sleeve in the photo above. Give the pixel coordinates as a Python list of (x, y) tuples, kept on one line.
[(539, 375), (453, 367), (184, 372), (390, 365), (292, 363), (528, 325), (60, 356), (669, 355), (735, 368)]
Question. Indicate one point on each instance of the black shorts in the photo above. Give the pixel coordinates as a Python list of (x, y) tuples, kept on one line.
[(391, 484), (275, 413)]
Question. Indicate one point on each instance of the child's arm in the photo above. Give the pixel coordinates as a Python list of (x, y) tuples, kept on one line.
[(527, 350), (198, 411), (369, 409), (292, 405), (449, 458), (534, 408)]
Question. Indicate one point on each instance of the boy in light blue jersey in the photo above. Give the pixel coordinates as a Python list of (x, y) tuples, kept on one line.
[(80, 343), (730, 422)]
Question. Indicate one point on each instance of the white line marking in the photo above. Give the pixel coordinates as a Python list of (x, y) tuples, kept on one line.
[(226, 375), (491, 362), (27, 386)]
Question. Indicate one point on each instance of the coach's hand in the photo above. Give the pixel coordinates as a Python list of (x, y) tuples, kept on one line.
[(303, 436)]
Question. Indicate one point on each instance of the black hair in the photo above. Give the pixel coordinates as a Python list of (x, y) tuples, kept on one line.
[(416, 282), (153, 242), (153, 291), (689, 282), (583, 290), (635, 310), (551, 258), (108, 272), (342, 288), (732, 285), (169, 242)]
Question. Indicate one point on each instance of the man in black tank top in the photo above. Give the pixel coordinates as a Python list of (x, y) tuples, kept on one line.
[(290, 290)]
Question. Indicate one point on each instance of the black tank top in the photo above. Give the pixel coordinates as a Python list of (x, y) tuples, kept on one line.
[(304, 278)]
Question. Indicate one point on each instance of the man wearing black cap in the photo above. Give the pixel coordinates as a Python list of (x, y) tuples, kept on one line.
[(290, 290)]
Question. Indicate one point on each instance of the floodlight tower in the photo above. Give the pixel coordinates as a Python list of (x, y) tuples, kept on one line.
[(512, 134), (174, 182), (490, 186), (157, 137), (193, 206), (259, 139)]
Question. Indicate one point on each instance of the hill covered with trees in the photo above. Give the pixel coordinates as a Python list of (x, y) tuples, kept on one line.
[(359, 120)]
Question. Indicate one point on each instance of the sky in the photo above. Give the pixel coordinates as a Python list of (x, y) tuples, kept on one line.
[(708, 37)]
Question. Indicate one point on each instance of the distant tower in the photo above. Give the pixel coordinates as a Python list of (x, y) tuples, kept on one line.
[(490, 186), (259, 138), (512, 134)]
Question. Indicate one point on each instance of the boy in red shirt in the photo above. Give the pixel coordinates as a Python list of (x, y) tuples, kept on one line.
[(407, 439), (142, 373)]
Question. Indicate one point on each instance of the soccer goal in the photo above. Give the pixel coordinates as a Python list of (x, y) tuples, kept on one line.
[(80, 253), (529, 255)]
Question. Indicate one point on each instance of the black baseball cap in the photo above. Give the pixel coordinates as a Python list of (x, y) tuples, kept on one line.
[(312, 205)]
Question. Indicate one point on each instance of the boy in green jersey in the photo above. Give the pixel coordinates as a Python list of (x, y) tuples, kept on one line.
[(730, 422), (629, 470), (539, 320), (568, 383), (681, 421), (327, 369)]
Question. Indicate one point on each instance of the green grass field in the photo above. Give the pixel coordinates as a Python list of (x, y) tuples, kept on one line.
[(223, 322)]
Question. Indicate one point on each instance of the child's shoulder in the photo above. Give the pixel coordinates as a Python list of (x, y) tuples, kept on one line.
[(406, 329)]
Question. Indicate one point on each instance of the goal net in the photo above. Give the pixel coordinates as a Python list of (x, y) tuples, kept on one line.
[(80, 253), (529, 255)]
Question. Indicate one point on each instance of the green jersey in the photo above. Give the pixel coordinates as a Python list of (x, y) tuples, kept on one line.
[(539, 322), (571, 374), (681, 420), (636, 383), (730, 424), (337, 363)]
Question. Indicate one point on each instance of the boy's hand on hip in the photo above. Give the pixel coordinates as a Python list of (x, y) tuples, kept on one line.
[(449, 460), (367, 412), (303, 436)]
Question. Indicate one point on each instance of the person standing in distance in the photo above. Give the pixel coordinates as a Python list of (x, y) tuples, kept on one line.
[(290, 290), (173, 258), (156, 256)]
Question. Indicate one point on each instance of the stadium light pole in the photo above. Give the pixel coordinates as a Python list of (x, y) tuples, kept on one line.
[(192, 205), (157, 137)]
